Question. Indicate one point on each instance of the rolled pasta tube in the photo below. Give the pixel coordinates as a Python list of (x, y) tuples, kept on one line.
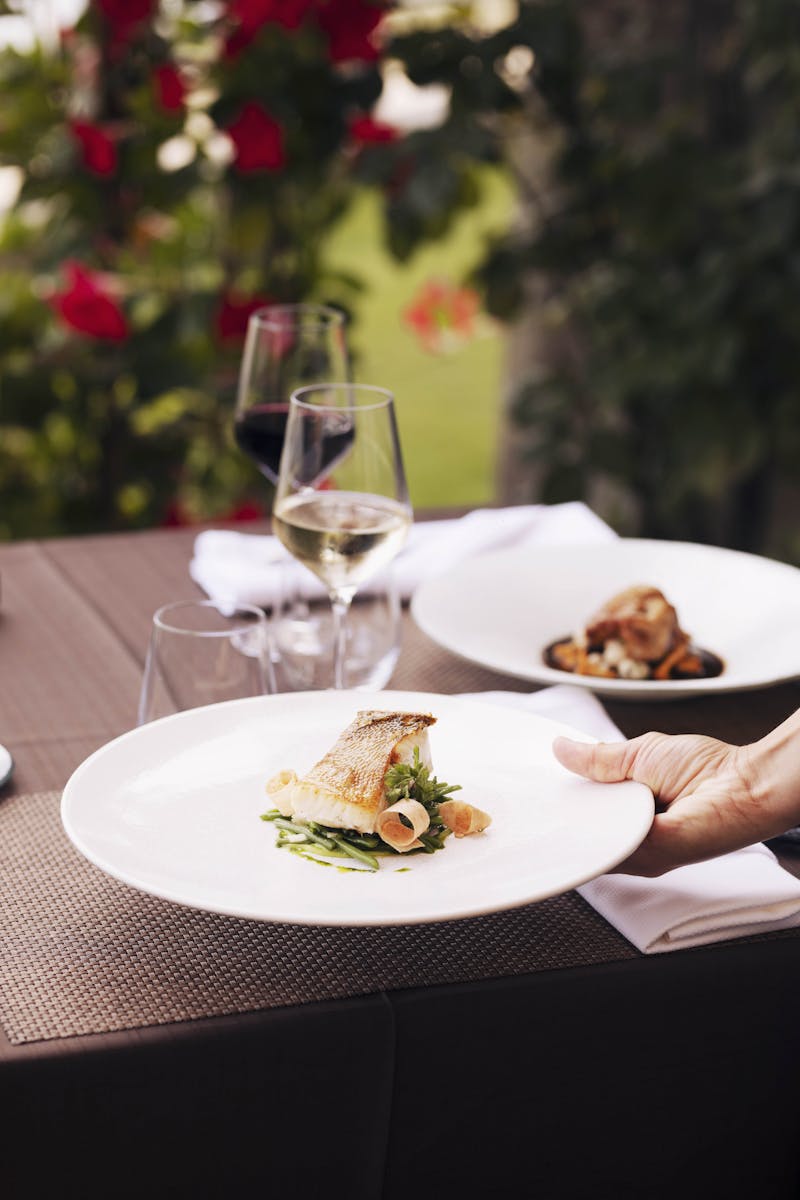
[(463, 818), (280, 790), (395, 832)]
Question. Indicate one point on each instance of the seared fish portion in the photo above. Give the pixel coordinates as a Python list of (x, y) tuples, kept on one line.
[(345, 789)]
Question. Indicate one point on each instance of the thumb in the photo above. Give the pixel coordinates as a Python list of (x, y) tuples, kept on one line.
[(606, 762)]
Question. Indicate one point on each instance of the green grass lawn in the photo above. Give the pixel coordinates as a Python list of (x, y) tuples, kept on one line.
[(448, 402)]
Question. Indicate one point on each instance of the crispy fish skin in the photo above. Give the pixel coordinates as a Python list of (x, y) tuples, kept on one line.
[(345, 789)]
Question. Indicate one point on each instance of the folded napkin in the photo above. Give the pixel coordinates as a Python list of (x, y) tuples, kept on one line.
[(248, 568), (737, 894)]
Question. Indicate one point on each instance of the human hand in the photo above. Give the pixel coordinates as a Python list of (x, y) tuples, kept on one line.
[(706, 799)]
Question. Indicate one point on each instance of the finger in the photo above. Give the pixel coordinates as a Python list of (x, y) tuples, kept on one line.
[(605, 762)]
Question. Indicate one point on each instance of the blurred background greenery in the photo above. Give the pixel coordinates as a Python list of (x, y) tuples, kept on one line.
[(567, 235), (447, 382)]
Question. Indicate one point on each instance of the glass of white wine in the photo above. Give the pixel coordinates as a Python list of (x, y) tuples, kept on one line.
[(341, 504)]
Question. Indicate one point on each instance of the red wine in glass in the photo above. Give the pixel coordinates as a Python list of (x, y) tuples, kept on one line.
[(288, 346), (259, 433)]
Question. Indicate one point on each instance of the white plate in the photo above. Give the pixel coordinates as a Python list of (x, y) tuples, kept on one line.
[(6, 765), (502, 609), (173, 809)]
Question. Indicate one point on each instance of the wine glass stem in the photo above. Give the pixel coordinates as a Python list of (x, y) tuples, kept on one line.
[(340, 605)]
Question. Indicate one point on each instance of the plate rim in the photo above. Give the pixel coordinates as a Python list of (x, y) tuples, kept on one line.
[(345, 920), (621, 689), (9, 771)]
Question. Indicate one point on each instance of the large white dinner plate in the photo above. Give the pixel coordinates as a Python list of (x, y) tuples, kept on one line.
[(173, 808), (502, 609)]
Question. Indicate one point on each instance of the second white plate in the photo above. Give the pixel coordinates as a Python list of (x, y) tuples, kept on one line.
[(502, 609)]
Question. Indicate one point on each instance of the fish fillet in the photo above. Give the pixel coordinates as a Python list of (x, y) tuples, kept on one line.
[(345, 789)]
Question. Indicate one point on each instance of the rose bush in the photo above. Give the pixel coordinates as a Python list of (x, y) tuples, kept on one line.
[(181, 163), (180, 166)]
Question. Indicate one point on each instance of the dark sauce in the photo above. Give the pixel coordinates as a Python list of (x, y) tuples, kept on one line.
[(710, 664)]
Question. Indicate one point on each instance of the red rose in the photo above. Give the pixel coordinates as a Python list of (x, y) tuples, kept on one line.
[(233, 314), (367, 129), (176, 515), (349, 26), (122, 16), (248, 510), (250, 16), (169, 87), (87, 306), (291, 13), (258, 139), (98, 152)]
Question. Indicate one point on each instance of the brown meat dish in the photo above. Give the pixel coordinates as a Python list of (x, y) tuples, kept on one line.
[(642, 619), (635, 635)]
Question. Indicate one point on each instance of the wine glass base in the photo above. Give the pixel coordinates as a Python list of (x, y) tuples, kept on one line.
[(304, 637)]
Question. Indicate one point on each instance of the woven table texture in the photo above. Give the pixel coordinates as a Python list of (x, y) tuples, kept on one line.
[(82, 953)]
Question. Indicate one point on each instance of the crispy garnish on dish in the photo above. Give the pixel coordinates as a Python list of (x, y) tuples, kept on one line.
[(401, 824), (462, 818), (372, 793), (635, 635)]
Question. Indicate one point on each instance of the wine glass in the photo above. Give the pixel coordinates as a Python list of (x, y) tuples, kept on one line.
[(341, 503), (287, 346)]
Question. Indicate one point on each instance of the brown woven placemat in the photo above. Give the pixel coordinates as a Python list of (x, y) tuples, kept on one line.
[(81, 953)]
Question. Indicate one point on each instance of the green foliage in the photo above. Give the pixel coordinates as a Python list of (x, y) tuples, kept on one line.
[(116, 386), (660, 246), (666, 246)]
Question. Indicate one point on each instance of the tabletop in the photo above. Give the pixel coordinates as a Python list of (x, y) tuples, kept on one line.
[(592, 1055)]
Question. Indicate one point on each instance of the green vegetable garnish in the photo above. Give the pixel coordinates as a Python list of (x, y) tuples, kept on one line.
[(404, 781), (413, 781)]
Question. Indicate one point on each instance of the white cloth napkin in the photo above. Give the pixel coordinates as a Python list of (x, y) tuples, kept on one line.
[(248, 568), (742, 893)]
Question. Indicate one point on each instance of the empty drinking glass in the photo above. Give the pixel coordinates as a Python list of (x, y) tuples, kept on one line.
[(201, 653), (303, 635)]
